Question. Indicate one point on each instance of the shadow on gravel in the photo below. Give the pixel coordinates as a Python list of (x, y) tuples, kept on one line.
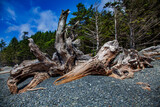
[(24, 83)]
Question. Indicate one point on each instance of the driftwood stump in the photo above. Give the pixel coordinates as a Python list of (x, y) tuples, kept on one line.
[(63, 60), (69, 62), (113, 61)]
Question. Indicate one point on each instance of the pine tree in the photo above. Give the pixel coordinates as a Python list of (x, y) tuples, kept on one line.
[(2, 44)]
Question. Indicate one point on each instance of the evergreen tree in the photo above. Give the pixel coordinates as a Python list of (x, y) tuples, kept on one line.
[(135, 23), (136, 20), (82, 15), (24, 35), (2, 44), (97, 27), (14, 42)]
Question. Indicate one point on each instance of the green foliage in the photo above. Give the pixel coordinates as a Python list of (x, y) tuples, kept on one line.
[(82, 15), (2, 44), (86, 18), (142, 16), (136, 20), (16, 51)]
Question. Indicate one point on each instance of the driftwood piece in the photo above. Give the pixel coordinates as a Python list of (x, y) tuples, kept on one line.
[(111, 60), (25, 70), (144, 86), (153, 51), (63, 60), (4, 72), (69, 62), (34, 89), (96, 65)]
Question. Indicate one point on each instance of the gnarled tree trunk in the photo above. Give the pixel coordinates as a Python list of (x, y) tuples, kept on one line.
[(63, 60), (111, 60)]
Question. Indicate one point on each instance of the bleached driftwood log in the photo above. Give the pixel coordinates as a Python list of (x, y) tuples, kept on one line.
[(64, 59), (111, 60)]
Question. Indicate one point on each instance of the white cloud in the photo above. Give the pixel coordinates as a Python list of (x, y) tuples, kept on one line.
[(8, 11), (6, 37), (47, 20), (102, 4), (12, 28), (36, 10), (40, 21), (1, 38), (26, 28), (21, 29), (87, 5), (11, 13)]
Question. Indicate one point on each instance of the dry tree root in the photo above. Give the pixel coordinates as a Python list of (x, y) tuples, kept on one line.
[(34, 69), (145, 86), (63, 60), (4, 72), (34, 89), (111, 60), (96, 65)]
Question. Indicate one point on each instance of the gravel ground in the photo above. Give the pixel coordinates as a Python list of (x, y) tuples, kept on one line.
[(89, 91)]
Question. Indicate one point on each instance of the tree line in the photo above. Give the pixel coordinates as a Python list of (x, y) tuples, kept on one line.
[(134, 23), (18, 51)]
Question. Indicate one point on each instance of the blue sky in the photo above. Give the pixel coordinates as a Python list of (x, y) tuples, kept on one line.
[(17, 16)]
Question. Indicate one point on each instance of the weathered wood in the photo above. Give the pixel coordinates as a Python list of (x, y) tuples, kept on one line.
[(96, 65), (37, 70), (111, 60), (4, 72), (69, 62), (63, 60), (145, 86), (151, 51)]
